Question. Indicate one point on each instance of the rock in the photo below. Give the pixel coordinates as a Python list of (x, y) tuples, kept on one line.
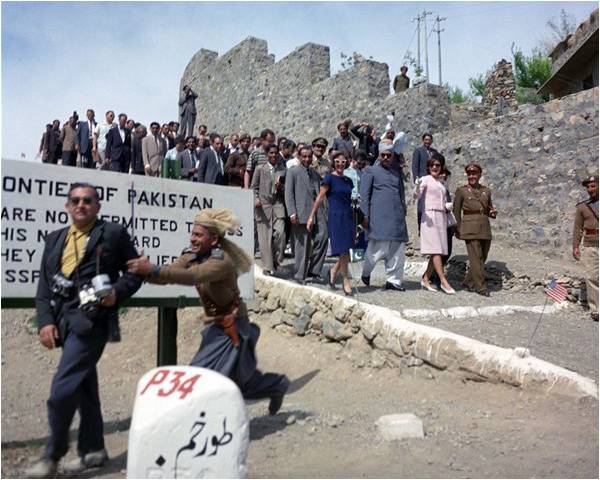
[(290, 420), (317, 320), (399, 426), (334, 330), (414, 362), (309, 309), (301, 324)]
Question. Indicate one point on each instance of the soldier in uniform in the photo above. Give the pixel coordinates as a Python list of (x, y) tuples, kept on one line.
[(586, 227), (472, 207), (212, 264)]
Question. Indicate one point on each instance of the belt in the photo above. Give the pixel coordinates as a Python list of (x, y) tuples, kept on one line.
[(473, 212), (591, 231)]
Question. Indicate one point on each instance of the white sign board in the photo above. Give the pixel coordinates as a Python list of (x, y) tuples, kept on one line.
[(187, 422), (158, 212)]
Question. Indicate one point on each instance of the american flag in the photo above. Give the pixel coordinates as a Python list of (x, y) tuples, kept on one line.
[(556, 292)]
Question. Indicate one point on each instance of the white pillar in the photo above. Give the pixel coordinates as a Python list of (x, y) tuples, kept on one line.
[(187, 422)]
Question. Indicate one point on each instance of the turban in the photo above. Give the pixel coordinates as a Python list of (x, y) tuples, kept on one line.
[(222, 221), (385, 147)]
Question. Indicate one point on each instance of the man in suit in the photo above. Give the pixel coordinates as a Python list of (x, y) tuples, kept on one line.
[(189, 161), (72, 257), (420, 157), (154, 149), (118, 146), (384, 208), (301, 189), (187, 111), (84, 141), (67, 138), (235, 166), (269, 209), (211, 167), (137, 162)]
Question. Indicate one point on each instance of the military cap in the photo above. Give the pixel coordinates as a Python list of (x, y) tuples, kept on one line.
[(590, 179), (473, 166), (320, 141)]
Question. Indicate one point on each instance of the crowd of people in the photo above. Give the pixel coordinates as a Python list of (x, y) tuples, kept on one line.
[(315, 198)]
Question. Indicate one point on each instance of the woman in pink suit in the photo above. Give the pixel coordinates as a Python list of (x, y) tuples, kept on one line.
[(434, 223)]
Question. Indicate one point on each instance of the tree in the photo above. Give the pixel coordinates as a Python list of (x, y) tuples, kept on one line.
[(477, 85), (456, 95), (530, 71), (559, 29), (410, 60)]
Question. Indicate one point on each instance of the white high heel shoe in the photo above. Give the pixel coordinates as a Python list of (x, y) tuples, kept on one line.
[(451, 291), (428, 286)]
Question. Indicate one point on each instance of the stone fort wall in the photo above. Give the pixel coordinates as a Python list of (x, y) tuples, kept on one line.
[(534, 157)]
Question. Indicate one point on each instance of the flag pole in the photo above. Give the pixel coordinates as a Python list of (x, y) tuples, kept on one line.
[(538, 323)]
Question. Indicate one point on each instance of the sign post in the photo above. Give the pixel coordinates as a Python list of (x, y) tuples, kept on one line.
[(158, 213)]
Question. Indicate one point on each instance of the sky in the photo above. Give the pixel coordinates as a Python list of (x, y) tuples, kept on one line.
[(129, 57)]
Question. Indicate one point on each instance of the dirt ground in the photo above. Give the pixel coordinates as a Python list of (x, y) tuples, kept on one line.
[(326, 427)]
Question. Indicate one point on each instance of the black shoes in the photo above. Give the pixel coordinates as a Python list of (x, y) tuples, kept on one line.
[(391, 286), (275, 403), (366, 279), (330, 282)]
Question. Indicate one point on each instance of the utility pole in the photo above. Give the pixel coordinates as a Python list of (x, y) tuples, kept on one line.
[(418, 19), (424, 15), (438, 31)]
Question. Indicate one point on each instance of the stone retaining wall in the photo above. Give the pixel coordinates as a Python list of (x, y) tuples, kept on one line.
[(377, 336)]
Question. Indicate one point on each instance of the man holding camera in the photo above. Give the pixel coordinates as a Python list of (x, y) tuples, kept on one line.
[(83, 279)]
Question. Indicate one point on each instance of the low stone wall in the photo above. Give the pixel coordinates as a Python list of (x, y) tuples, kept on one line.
[(376, 336)]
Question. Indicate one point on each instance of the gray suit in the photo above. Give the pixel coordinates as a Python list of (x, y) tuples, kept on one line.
[(270, 216), (301, 189), (187, 112), (188, 162), (153, 153)]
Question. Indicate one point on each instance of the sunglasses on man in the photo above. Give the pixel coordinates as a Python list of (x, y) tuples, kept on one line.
[(75, 200)]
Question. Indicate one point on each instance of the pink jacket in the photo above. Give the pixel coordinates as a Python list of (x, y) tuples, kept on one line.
[(434, 193)]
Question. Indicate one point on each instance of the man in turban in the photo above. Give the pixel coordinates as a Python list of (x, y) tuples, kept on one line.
[(212, 264)]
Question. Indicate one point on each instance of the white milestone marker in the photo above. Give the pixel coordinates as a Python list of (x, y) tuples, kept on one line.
[(187, 422)]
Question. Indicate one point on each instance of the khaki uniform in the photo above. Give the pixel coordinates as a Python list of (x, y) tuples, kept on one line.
[(586, 228), (471, 209), (322, 165), (214, 277), (229, 342)]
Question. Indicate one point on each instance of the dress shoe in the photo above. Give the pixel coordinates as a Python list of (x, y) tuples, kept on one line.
[(448, 291), (330, 282), (594, 316), (268, 273), (427, 286), (317, 279), (366, 279), (391, 286), (275, 403), (89, 460), (44, 468), (483, 292)]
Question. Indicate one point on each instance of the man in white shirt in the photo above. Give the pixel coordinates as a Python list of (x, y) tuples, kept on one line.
[(99, 145)]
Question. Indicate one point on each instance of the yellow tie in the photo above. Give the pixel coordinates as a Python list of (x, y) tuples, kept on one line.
[(74, 248)]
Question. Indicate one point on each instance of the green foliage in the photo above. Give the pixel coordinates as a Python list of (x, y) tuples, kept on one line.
[(456, 95), (477, 85), (410, 60), (530, 71), (529, 95)]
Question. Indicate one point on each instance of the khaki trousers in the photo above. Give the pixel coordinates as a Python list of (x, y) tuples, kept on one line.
[(271, 242), (478, 251), (589, 258)]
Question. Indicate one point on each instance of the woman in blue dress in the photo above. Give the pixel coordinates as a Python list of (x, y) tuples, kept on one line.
[(340, 225)]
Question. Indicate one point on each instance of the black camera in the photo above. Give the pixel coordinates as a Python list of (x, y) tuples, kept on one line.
[(61, 285)]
